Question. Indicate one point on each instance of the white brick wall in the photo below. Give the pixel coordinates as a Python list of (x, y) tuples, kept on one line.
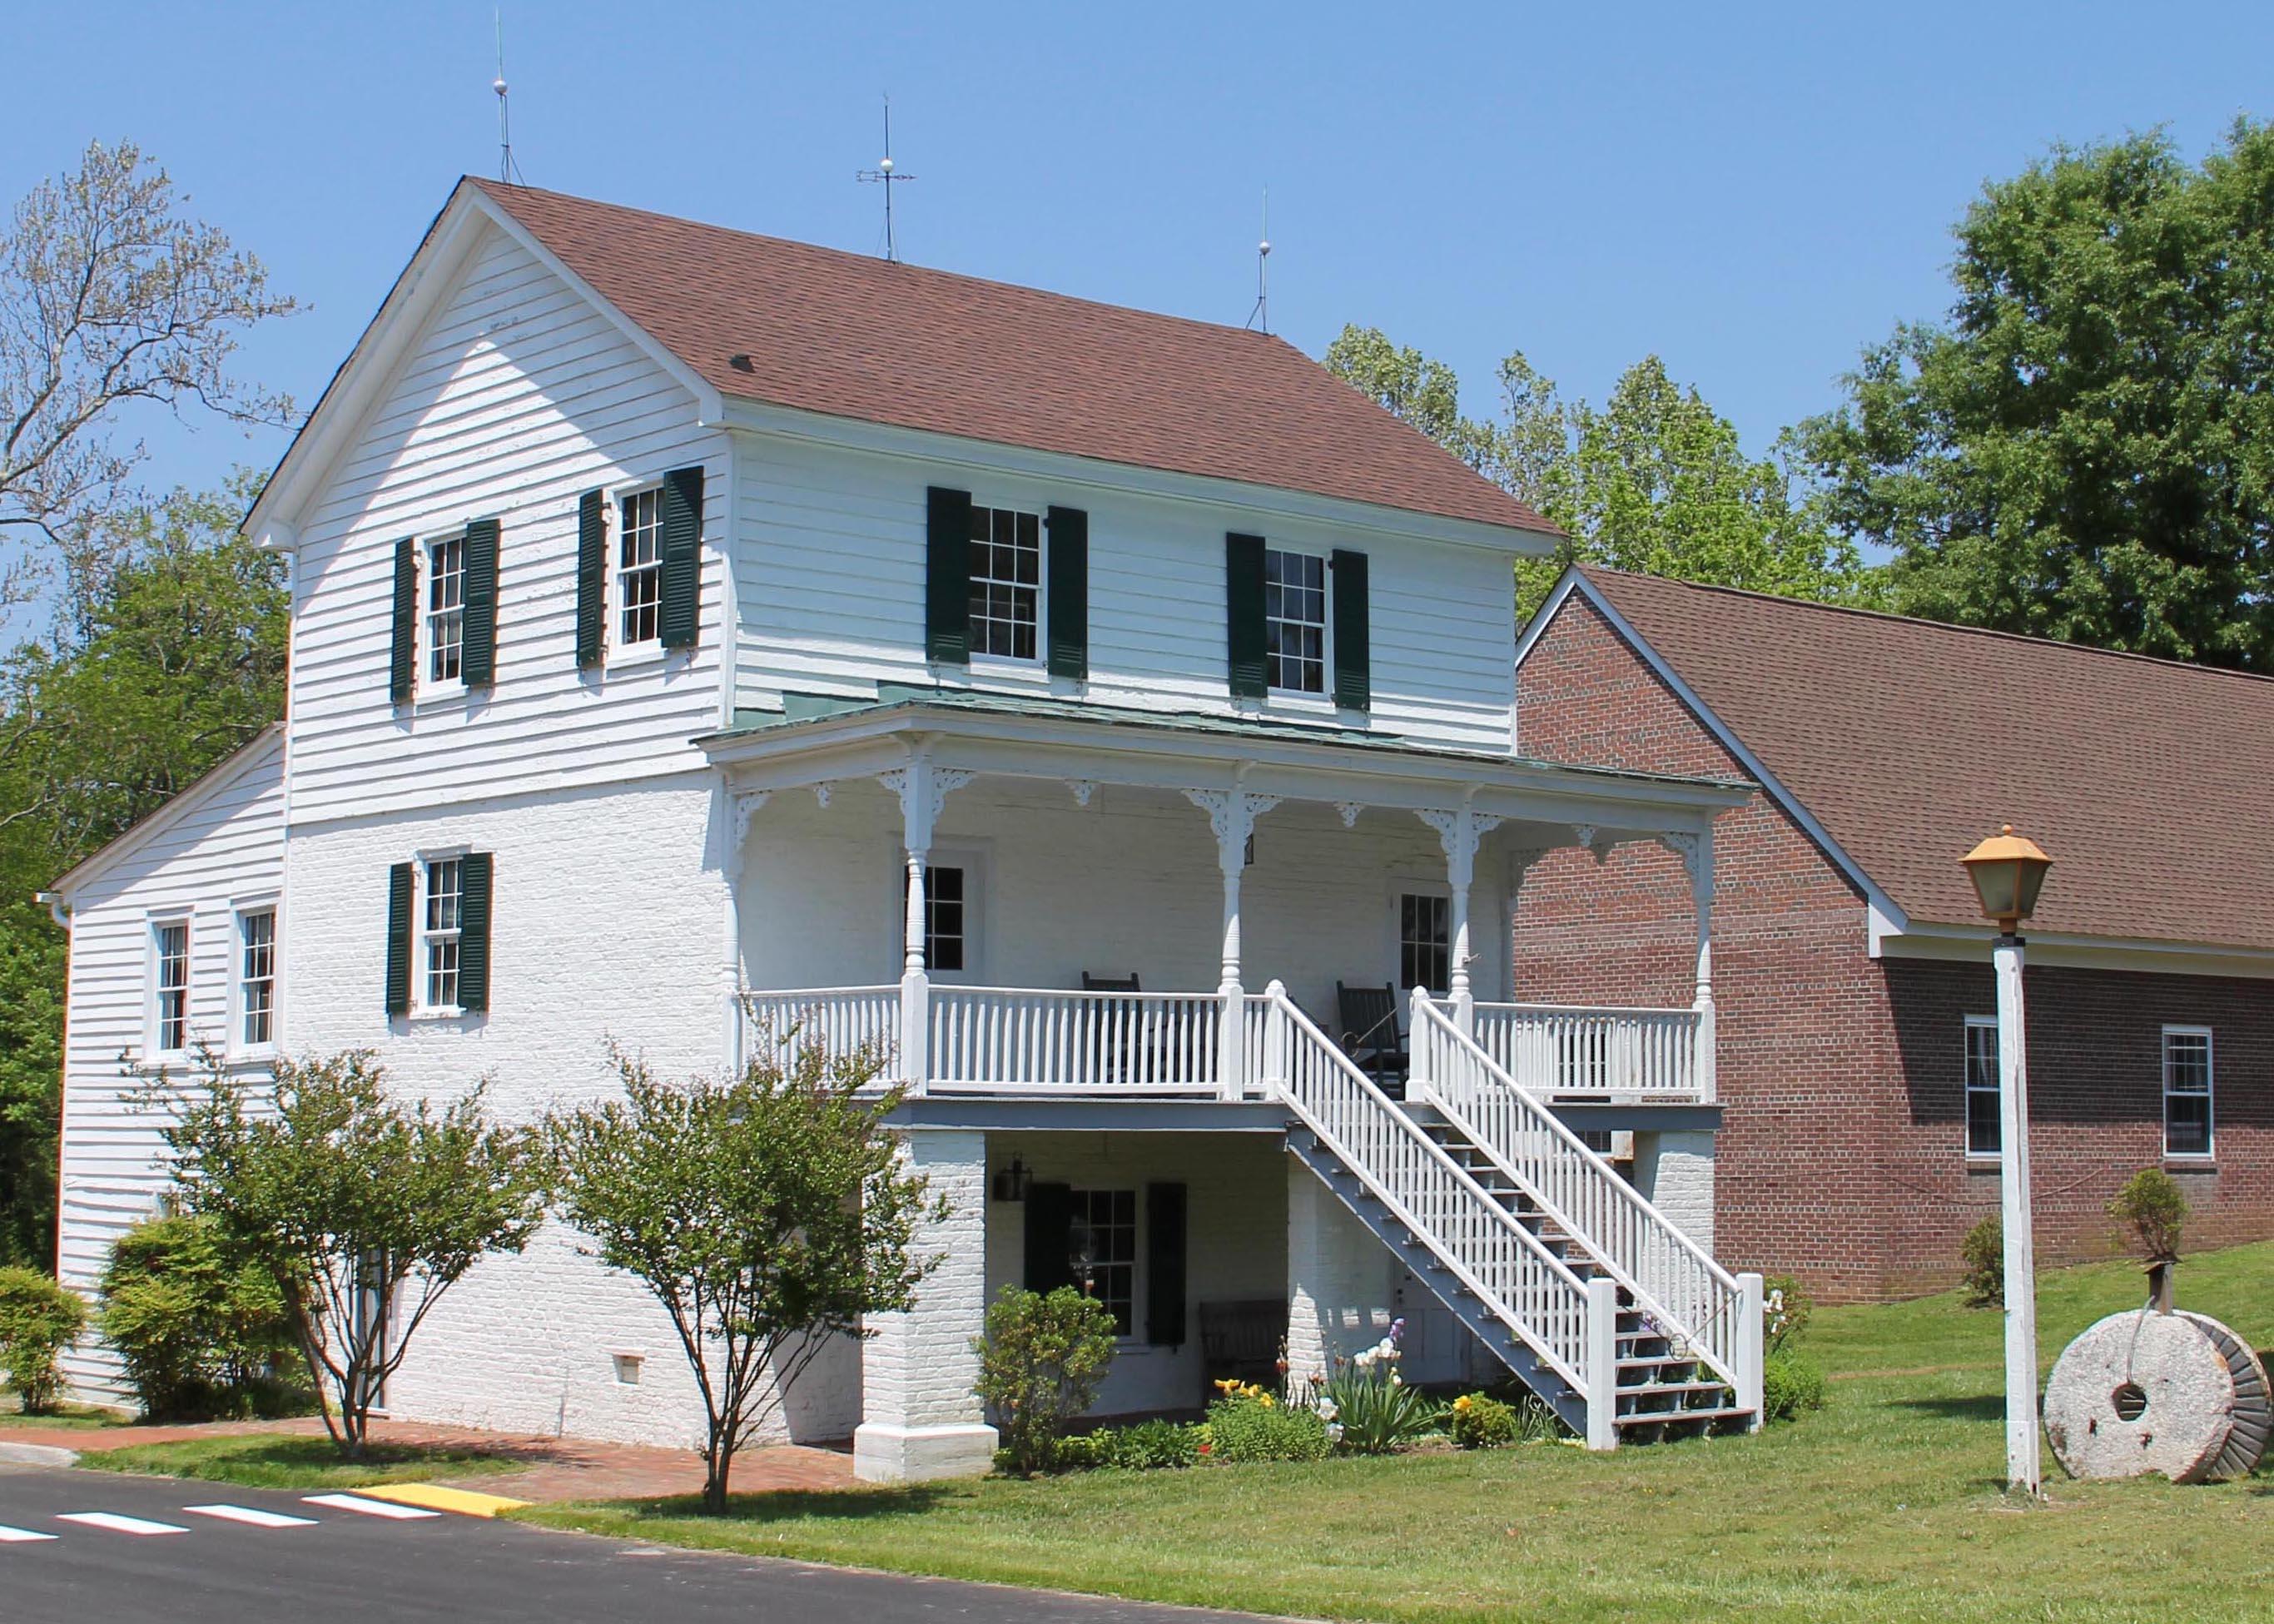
[(1674, 1171), (1345, 1288)]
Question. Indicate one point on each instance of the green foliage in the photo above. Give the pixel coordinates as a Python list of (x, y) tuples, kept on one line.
[(38, 1318), (202, 1335), (2152, 1203), (767, 1213), (1786, 1310), (1982, 1251), (1142, 1446), (1479, 1421), (1373, 1411), (1040, 1363), (349, 1197), (2084, 449), (1255, 1427), (1790, 1383)]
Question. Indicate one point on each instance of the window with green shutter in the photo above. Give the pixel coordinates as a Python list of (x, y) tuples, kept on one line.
[(592, 577), (1353, 618), (479, 668), (1243, 568), (681, 568), (1068, 592), (402, 652), (399, 882), (947, 575)]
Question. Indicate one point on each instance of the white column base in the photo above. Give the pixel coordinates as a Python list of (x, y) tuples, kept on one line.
[(886, 1453)]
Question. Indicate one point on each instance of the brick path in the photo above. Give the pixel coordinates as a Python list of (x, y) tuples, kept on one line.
[(555, 1469)]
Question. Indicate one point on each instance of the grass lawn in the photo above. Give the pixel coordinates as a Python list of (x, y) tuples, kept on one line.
[(273, 1461), (68, 1418), (1885, 1506)]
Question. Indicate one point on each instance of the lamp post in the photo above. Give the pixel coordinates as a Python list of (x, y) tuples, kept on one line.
[(2007, 870)]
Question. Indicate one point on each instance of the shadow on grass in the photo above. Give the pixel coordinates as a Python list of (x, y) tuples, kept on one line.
[(795, 1505), (1973, 1407)]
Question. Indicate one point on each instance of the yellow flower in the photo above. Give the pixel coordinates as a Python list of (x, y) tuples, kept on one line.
[(1227, 1385), (1264, 1399), (1462, 1403)]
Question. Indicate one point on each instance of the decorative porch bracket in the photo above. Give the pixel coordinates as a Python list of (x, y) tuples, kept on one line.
[(1460, 831), (1696, 850), (923, 787), (1231, 817)]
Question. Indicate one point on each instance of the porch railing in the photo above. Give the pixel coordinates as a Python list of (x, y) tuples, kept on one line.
[(1016, 1039), (841, 1019), (1597, 1052)]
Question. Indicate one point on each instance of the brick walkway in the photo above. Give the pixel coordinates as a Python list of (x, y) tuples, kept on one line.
[(555, 1469)]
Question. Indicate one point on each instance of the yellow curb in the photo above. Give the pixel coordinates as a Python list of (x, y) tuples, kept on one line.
[(435, 1497)]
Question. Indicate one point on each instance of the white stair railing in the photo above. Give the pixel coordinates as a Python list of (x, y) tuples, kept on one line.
[(1011, 1039), (1511, 1273), (1695, 1300), (1593, 1051)]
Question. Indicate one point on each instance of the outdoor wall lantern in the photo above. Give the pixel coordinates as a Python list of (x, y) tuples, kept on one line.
[(1013, 1183), (2007, 870)]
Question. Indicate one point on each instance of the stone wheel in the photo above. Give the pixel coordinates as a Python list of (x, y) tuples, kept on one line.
[(2142, 1392)]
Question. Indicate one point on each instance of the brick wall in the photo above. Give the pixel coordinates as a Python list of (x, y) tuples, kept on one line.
[(1841, 1155)]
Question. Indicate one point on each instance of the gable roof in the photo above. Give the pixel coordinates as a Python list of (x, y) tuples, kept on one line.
[(264, 748), (816, 329), (1908, 741)]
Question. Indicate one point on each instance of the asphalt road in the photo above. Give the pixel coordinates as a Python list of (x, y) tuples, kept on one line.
[(234, 1563)]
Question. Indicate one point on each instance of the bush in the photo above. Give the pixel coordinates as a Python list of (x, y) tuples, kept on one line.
[(1785, 1310), (2152, 1203), (1984, 1253), (201, 1335), (1480, 1422), (38, 1318), (1143, 1446), (1790, 1383), (1040, 1362), (1252, 1425)]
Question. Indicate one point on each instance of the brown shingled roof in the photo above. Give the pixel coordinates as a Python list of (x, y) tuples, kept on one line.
[(2150, 781), (858, 337)]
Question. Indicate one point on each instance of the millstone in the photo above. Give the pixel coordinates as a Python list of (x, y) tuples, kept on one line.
[(2143, 1392)]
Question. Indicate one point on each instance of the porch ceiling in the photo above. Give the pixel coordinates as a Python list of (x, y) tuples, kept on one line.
[(1093, 744)]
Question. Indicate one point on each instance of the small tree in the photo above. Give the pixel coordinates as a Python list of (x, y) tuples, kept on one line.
[(1039, 1366), (766, 1214), (38, 1318), (1982, 1251), (364, 1209), (200, 1331)]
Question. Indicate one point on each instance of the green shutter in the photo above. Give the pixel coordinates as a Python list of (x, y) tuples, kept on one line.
[(398, 939), (1164, 1264), (1069, 592), (947, 575), (403, 655), (683, 555), (480, 666), (474, 872), (1050, 1237), (591, 576), (1243, 570), (1353, 655)]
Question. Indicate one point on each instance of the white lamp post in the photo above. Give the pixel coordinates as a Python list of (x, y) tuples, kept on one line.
[(2007, 870)]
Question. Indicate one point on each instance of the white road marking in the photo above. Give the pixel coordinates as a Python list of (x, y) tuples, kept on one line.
[(118, 1524), (20, 1535), (252, 1514), (369, 1507)]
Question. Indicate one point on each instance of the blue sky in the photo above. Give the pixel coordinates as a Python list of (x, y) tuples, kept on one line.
[(1750, 193)]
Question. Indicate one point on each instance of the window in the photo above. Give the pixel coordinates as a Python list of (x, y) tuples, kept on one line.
[(1007, 582), (2187, 1091), (256, 977), (1983, 1131), (173, 982), (639, 568), (446, 610), (1102, 1247), (1295, 622), (445, 892), (946, 919), (1425, 943)]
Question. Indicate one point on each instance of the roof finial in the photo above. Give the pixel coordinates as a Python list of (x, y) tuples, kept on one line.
[(886, 176), (1260, 316), (505, 128)]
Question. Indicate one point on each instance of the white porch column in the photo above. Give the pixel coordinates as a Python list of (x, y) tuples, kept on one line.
[(921, 786), (1459, 832), (1231, 816), (1697, 853), (919, 1417)]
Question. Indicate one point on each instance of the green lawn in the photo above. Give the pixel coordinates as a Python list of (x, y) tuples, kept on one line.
[(272, 1461), (68, 1418), (1887, 1505)]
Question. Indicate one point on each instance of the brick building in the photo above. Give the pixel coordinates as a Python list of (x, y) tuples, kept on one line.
[(1850, 968)]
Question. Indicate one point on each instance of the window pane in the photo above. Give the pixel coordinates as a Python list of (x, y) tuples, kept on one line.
[(257, 985), (1424, 944), (1006, 574), (445, 614), (1295, 620), (173, 987), (1984, 1134), (639, 568), (944, 919), (444, 897), (2187, 1094), (1103, 1248)]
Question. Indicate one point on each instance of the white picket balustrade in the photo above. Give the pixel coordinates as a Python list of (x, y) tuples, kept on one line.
[(1520, 1281), (1672, 1277), (1013, 1040), (840, 1019), (1575, 1052)]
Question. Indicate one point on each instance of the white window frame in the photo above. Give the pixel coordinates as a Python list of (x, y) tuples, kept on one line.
[(1967, 1090), (1137, 1219), (427, 685), (240, 983), (2210, 1092), (1038, 660), (1398, 896), (159, 923), (616, 649), (1323, 695), (422, 935)]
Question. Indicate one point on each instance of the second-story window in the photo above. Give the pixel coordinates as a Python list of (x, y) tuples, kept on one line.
[(1295, 622), (173, 986), (639, 568), (1007, 582), (445, 892), (446, 610), (256, 984)]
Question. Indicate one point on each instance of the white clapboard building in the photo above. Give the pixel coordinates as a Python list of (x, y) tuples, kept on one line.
[(697, 634)]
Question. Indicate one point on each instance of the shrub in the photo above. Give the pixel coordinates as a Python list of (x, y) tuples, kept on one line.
[(38, 1318), (1373, 1411), (1984, 1253), (1144, 1446), (1790, 1383), (1480, 1422), (201, 1335), (1040, 1362), (1785, 1310), (1252, 1425), (2152, 1203)]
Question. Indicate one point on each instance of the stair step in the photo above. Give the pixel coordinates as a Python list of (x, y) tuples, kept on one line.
[(1624, 1388)]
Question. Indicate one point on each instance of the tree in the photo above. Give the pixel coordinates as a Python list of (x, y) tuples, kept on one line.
[(767, 1213), (365, 1210), (2084, 449), (111, 295)]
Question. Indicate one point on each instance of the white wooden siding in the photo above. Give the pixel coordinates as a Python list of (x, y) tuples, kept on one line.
[(518, 397)]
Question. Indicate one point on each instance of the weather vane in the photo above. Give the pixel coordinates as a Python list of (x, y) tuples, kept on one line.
[(887, 177)]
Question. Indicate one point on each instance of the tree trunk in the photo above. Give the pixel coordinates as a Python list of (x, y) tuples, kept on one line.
[(716, 1463)]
